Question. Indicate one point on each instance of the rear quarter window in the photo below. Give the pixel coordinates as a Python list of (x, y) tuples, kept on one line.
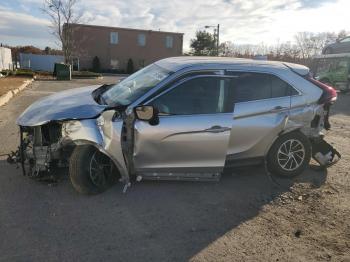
[(257, 86)]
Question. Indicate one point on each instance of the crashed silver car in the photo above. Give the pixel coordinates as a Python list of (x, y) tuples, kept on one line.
[(181, 118)]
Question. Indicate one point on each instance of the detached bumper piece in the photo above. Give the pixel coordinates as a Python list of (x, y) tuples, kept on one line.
[(324, 154)]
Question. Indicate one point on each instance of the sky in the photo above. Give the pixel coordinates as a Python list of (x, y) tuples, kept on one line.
[(241, 21)]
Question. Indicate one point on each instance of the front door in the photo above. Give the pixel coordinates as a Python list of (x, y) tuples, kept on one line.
[(193, 132)]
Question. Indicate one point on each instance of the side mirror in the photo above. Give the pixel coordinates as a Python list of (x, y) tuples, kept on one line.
[(147, 113)]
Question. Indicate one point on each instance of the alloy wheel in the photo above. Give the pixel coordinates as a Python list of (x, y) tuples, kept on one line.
[(101, 169), (291, 154)]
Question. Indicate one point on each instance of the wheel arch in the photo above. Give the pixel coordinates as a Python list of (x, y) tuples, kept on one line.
[(84, 142), (282, 133)]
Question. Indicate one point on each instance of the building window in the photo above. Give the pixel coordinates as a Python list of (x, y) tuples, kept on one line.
[(141, 63), (114, 63), (114, 38), (169, 42), (141, 40)]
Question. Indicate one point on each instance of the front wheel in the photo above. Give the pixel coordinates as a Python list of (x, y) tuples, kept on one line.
[(91, 171), (289, 155)]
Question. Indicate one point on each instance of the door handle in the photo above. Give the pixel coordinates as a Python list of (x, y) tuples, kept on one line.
[(217, 129), (278, 108)]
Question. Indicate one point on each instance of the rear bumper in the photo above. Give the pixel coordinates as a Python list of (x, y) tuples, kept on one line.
[(324, 153)]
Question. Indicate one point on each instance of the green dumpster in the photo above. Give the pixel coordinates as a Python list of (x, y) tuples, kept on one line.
[(62, 72)]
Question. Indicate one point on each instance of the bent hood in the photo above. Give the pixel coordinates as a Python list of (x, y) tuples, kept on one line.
[(76, 103)]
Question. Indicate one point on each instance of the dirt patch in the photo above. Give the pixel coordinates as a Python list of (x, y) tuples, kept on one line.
[(10, 83)]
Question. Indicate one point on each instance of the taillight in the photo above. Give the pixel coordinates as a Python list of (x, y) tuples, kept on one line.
[(329, 93)]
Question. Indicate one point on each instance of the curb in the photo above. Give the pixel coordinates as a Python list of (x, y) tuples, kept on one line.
[(4, 99)]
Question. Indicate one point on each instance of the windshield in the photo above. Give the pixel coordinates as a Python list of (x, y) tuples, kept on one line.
[(134, 86)]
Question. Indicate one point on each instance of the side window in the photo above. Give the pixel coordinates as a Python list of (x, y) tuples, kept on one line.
[(203, 95), (257, 86), (250, 86), (279, 88), (347, 39)]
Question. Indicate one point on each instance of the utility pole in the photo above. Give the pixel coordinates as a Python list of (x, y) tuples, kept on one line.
[(217, 39), (216, 36)]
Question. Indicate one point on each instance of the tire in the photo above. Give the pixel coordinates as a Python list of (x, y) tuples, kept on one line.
[(284, 164), (91, 172)]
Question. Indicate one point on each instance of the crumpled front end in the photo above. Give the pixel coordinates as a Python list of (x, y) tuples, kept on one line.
[(50, 145)]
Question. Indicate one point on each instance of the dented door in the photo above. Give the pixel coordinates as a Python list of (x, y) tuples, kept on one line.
[(193, 130), (262, 107), (255, 126), (196, 143)]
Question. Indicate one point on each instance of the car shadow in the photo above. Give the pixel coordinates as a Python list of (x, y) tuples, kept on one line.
[(152, 221)]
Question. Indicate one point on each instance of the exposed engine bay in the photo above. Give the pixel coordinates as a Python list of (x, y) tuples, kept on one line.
[(41, 148)]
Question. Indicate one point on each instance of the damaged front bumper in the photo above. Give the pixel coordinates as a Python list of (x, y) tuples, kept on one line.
[(45, 147)]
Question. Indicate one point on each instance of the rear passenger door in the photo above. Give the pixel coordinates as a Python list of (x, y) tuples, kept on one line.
[(261, 106)]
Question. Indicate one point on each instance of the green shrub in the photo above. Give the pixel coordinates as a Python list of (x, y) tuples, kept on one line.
[(24, 72), (130, 66), (85, 74), (43, 73), (6, 72), (113, 71), (18, 72), (96, 66)]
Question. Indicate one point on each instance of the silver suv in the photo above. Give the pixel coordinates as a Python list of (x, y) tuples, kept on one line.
[(181, 118)]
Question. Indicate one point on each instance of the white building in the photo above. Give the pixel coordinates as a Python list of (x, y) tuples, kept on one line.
[(5, 58)]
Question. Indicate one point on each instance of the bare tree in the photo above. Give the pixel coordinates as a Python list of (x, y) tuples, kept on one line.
[(301, 51), (63, 15), (311, 44), (342, 34)]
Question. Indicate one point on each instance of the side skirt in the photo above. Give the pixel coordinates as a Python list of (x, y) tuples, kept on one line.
[(180, 176), (231, 162)]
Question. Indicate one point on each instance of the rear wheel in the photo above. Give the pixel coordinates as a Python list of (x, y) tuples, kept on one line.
[(91, 171), (289, 155)]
